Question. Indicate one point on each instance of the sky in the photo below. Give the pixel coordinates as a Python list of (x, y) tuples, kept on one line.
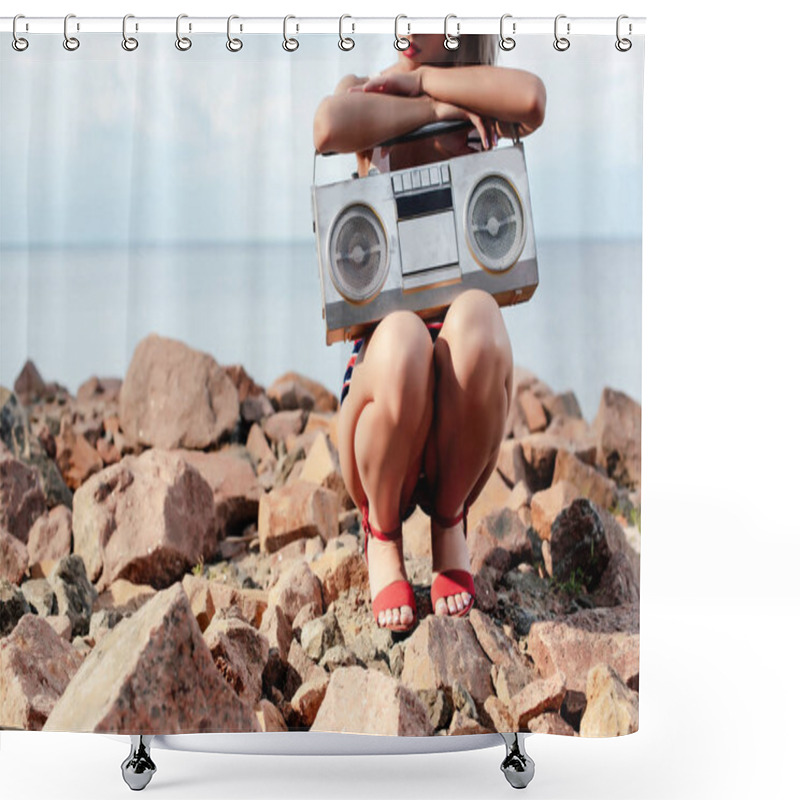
[(103, 147)]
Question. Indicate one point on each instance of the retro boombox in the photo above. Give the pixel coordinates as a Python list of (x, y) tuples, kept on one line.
[(415, 238)]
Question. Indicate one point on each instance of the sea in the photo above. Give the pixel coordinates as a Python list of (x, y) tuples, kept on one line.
[(79, 312)]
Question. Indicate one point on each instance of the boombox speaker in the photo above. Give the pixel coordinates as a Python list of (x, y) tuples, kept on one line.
[(416, 238)]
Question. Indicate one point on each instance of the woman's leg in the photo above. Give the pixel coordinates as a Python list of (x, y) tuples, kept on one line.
[(474, 371), (383, 426)]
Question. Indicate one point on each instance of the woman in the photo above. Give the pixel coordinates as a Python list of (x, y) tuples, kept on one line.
[(423, 414)]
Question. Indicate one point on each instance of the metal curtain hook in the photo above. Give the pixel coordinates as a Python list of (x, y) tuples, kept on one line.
[(451, 42), (506, 42), (234, 45), (128, 42), (623, 45), (70, 42), (18, 43), (181, 42), (561, 43), (346, 43), (290, 45), (397, 37)]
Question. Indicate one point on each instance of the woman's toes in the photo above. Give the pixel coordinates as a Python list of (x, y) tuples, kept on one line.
[(451, 604), (406, 615), (441, 607)]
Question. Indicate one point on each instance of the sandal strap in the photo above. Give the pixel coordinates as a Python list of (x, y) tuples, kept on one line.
[(449, 522), (371, 530)]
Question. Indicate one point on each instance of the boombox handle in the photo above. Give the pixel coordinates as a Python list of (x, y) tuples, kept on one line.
[(431, 129)]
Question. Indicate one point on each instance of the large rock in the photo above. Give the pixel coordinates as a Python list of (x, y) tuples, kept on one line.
[(612, 709), (323, 399), (13, 606), (547, 504), (585, 478), (578, 545), (575, 643), (443, 650), (41, 597), (618, 428), (29, 385), (210, 598), (340, 569), (36, 665), (174, 396), (16, 435), (299, 510), (236, 489), (152, 674), (148, 519), (296, 587), (500, 540), (50, 536), (75, 456), (321, 466), (320, 634), (74, 593), (307, 700), (22, 500), (240, 653), (537, 697), (13, 558), (366, 701)]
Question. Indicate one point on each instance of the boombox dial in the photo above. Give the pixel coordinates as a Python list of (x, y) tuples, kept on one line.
[(358, 256), (495, 224)]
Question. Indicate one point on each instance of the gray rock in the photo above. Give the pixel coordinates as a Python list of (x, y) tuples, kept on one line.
[(74, 593), (337, 656), (320, 634), (40, 596), (13, 606), (578, 544)]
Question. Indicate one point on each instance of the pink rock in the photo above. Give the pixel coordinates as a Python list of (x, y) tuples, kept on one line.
[(308, 698), (36, 664), (148, 519), (499, 714), (573, 644), (297, 586), (270, 717), (564, 404), (29, 385), (289, 395), (245, 385), (516, 668), (540, 695), (283, 424), (296, 511), (174, 396), (22, 500), (76, 458), (612, 709), (278, 630), (13, 558), (551, 722), (236, 489), (105, 389), (211, 598), (240, 653), (366, 701), (618, 428), (152, 673), (510, 463), (61, 624), (340, 570), (321, 466), (586, 479), (547, 504), (324, 400), (499, 540), (443, 650), (50, 536), (259, 449)]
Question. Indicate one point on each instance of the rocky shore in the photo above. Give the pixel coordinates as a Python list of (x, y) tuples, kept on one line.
[(178, 554)]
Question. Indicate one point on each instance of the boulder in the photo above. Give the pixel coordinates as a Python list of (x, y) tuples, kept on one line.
[(319, 635), (152, 673), (338, 656), (50, 537), (296, 586), (124, 596), (538, 696), (510, 463), (13, 558), (22, 500), (148, 519), (288, 395), (174, 396), (233, 481), (40, 596), (547, 504), (618, 428), (578, 545), (270, 717), (259, 450), (366, 701), (278, 630), (75, 456), (307, 700), (443, 650), (575, 643), (210, 598), (550, 722), (499, 540), (585, 478), (321, 466), (339, 570), (612, 709), (96, 389), (36, 665), (500, 716), (29, 385), (283, 424), (324, 400), (564, 404), (299, 510)]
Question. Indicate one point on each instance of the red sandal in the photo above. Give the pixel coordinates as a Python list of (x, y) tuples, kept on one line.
[(399, 592), (452, 581)]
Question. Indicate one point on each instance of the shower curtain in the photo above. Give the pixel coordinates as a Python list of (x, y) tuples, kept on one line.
[(179, 551)]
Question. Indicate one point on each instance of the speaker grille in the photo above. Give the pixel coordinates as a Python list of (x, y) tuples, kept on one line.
[(358, 254), (495, 224)]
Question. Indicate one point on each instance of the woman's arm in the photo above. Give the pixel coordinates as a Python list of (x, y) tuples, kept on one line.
[(348, 122), (500, 93)]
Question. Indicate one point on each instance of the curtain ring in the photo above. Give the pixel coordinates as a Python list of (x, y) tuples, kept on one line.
[(451, 42), (561, 43), (397, 37), (346, 43), (70, 42), (623, 45), (128, 42), (290, 45), (18, 43), (506, 42), (181, 42), (234, 45)]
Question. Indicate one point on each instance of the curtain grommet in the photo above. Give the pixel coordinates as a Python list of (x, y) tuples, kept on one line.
[(19, 43), (561, 43), (71, 43), (451, 42), (183, 43)]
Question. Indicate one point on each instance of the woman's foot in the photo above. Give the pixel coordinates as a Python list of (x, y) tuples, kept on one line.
[(450, 555), (385, 564)]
